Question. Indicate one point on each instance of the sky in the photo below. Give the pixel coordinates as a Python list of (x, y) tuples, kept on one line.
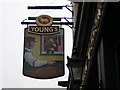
[(13, 12)]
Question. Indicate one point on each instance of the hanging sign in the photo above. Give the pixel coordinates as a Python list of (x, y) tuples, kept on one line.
[(43, 50)]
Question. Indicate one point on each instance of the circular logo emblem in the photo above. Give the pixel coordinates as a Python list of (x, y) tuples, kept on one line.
[(44, 20)]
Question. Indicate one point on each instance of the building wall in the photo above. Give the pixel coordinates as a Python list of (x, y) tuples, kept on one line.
[(75, 11)]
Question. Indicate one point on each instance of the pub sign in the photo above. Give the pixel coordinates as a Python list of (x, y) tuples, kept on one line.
[(43, 56)]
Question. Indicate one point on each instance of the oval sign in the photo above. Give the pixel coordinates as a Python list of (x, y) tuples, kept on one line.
[(44, 20)]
